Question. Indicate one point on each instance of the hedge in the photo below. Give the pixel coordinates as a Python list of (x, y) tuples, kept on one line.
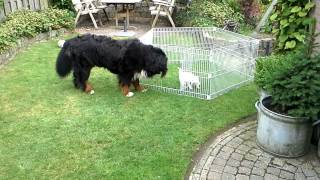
[(27, 23)]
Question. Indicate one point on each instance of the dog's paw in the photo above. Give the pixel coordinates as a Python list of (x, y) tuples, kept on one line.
[(144, 90), (91, 92), (130, 94)]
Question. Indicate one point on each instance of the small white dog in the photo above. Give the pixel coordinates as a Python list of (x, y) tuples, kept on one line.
[(60, 43), (188, 80)]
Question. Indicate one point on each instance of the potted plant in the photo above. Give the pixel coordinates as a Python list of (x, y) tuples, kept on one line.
[(285, 118)]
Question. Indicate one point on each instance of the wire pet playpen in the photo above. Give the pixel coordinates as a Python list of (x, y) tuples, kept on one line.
[(202, 62)]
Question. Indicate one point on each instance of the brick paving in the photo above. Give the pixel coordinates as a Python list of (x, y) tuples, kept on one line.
[(235, 155)]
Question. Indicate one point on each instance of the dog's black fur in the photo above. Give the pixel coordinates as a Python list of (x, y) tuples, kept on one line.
[(121, 57)]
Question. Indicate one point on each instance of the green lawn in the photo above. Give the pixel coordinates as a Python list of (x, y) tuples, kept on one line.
[(50, 130)]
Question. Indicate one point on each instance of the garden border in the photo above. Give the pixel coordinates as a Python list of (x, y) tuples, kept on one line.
[(25, 42)]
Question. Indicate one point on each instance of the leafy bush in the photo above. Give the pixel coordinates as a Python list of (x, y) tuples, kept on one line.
[(28, 23), (294, 83), (265, 66), (208, 13), (62, 4), (291, 22)]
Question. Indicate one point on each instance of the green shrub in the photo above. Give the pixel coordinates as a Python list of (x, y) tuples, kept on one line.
[(28, 23), (294, 82), (208, 13), (265, 66), (62, 4)]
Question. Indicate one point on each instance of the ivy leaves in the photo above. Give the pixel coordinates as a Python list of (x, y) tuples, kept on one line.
[(291, 22)]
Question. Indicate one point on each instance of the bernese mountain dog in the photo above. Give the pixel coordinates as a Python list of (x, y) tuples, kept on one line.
[(128, 59)]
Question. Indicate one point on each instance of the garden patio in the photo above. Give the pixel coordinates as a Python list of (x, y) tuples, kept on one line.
[(49, 129)]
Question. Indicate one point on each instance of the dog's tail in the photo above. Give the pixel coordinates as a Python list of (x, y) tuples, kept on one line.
[(64, 61)]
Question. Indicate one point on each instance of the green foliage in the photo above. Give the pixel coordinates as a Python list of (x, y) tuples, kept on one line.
[(28, 23), (294, 82), (62, 4), (208, 13), (265, 66), (291, 22)]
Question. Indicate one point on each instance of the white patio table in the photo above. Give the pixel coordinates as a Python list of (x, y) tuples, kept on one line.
[(125, 4)]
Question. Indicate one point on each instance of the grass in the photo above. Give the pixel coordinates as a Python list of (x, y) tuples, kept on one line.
[(49, 129)]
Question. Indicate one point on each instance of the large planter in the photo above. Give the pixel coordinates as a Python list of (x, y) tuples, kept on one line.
[(282, 135)]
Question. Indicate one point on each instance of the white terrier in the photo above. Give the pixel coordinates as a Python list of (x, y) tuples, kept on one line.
[(188, 80)]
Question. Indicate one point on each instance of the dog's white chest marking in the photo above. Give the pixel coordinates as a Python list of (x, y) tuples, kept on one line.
[(60, 43), (188, 80), (140, 75)]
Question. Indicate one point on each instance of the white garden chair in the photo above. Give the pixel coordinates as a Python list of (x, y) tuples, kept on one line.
[(84, 7), (162, 8)]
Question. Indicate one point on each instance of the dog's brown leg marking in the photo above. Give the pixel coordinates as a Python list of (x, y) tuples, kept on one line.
[(137, 86), (125, 89), (88, 88)]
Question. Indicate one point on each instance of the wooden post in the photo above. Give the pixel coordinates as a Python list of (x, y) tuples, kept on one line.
[(316, 14)]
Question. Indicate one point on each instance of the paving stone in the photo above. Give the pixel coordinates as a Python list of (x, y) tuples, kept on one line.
[(204, 174), (293, 162), (250, 157), (220, 161), (261, 164), (313, 178), (256, 177), (264, 159), (216, 150), (240, 152), (277, 162), (244, 170), (243, 147), (233, 162), (230, 169), (227, 150), (227, 176), (256, 152), (286, 174), (274, 171), (244, 136), (299, 176), (237, 156), (308, 172), (208, 163), (317, 169), (217, 168), (306, 165), (226, 140), (290, 168), (258, 171), (214, 176), (270, 177), (247, 163), (315, 162), (223, 155), (242, 177), (251, 144), (235, 142), (196, 177)]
